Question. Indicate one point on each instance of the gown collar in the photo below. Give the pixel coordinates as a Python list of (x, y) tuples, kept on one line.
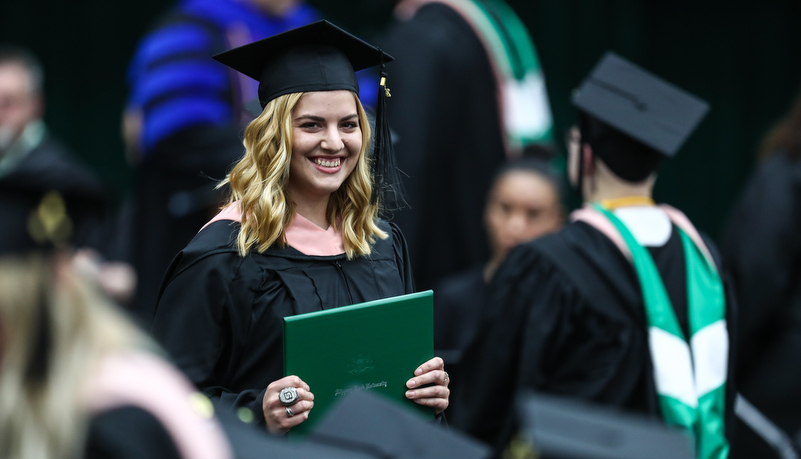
[(301, 234), (310, 239)]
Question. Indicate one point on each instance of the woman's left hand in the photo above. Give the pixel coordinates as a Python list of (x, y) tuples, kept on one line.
[(435, 395)]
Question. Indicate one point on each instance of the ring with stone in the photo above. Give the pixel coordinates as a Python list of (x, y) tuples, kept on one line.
[(288, 396), (446, 376), (289, 412)]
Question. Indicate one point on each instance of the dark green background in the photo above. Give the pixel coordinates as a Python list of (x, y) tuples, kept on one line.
[(743, 57)]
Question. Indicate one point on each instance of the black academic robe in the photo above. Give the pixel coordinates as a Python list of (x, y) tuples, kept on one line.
[(565, 316), (446, 126), (762, 250), (458, 301), (219, 315)]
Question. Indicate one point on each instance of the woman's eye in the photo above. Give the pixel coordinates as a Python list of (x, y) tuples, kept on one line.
[(350, 125), (309, 125)]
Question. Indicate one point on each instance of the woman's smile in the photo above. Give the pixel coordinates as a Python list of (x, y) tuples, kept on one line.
[(328, 165)]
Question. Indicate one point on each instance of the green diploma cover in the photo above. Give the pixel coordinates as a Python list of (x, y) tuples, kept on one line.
[(373, 346)]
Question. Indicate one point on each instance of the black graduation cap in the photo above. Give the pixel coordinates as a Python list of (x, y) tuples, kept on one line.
[(316, 57), (372, 424), (571, 429), (640, 104)]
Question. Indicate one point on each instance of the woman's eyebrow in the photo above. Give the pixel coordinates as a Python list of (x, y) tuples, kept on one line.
[(320, 119), (310, 117)]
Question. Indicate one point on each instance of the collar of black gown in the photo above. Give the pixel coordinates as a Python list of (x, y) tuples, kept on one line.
[(316, 57)]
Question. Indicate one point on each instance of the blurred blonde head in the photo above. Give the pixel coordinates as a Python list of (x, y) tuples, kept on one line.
[(258, 182), (55, 328)]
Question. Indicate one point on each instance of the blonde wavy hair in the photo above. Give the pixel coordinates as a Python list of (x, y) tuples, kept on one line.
[(258, 182), (42, 413)]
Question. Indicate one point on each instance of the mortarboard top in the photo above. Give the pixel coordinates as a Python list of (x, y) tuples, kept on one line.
[(640, 104), (316, 57), (370, 423), (571, 429)]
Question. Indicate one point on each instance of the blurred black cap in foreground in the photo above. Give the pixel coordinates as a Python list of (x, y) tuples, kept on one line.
[(249, 443), (568, 429), (371, 424)]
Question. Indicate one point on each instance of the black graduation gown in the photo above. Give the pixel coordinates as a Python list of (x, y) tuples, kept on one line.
[(219, 314), (458, 301), (565, 316), (762, 250), (445, 121)]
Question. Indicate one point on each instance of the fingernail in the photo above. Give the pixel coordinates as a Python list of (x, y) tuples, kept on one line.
[(307, 387), (418, 371), (410, 394), (410, 383)]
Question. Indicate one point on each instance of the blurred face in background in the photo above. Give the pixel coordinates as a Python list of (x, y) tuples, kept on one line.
[(523, 205), (19, 102)]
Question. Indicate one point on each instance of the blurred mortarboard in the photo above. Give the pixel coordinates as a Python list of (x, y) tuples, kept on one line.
[(571, 429), (46, 202), (249, 442), (640, 104), (382, 428), (316, 57)]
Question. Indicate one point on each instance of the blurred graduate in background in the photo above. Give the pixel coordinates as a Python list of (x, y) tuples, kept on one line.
[(469, 94), (29, 153), (605, 310), (76, 378), (524, 202), (762, 248)]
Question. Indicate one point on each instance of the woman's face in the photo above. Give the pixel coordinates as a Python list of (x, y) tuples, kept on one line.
[(326, 142), (522, 206)]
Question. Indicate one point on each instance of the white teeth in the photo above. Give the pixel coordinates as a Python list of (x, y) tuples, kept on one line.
[(325, 163)]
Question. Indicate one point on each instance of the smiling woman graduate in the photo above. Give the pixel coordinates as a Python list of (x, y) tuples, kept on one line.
[(301, 232)]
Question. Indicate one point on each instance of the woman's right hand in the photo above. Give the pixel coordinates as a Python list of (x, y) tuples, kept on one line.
[(276, 414)]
